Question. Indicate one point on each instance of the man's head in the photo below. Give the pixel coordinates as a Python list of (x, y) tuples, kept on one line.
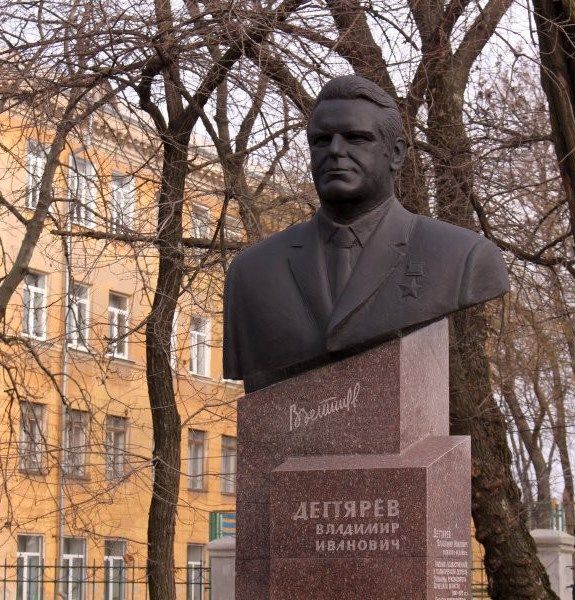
[(356, 145)]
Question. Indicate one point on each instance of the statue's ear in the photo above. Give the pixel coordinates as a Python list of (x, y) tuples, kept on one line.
[(398, 154)]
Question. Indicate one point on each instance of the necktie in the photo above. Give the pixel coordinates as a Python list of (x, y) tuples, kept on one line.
[(342, 242)]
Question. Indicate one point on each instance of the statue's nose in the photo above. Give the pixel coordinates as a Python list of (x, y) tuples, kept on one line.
[(337, 145)]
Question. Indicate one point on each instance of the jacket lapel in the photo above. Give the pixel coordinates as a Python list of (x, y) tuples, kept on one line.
[(307, 264), (383, 252)]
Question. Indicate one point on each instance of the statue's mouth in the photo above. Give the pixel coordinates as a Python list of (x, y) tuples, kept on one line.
[(337, 171)]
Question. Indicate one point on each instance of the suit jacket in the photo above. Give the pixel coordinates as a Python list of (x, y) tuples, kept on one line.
[(279, 316)]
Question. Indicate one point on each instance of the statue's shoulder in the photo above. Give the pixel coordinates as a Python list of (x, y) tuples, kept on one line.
[(459, 254), (430, 230), (450, 240)]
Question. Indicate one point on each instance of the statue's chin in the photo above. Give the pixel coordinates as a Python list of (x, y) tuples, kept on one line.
[(338, 192)]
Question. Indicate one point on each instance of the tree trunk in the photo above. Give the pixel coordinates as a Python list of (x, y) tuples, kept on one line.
[(511, 562), (542, 512), (165, 417), (569, 333), (560, 434), (555, 22)]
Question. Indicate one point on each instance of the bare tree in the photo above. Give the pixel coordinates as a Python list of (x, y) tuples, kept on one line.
[(247, 75), (141, 51), (438, 83)]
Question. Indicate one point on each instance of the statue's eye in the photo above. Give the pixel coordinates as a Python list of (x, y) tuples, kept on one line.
[(321, 140), (357, 138)]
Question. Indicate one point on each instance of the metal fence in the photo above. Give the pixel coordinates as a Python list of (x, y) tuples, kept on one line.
[(479, 582), (28, 581), (37, 581)]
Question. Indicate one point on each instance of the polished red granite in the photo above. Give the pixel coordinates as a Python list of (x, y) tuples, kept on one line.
[(411, 508), (353, 428)]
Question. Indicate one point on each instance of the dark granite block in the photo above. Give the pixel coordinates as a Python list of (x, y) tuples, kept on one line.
[(352, 431), (392, 509), (346, 579), (377, 402), (253, 519), (252, 579)]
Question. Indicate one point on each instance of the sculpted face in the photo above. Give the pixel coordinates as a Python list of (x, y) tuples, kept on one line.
[(352, 163)]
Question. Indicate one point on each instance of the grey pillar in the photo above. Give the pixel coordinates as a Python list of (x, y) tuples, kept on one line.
[(223, 568), (555, 550)]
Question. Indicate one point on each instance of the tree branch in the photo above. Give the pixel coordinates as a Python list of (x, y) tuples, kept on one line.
[(356, 43), (477, 36)]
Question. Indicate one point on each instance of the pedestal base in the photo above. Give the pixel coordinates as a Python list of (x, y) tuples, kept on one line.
[(373, 527), (370, 431)]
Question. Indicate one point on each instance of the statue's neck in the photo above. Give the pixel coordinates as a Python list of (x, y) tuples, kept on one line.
[(346, 213)]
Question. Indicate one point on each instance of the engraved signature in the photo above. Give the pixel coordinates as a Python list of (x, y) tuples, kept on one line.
[(301, 417)]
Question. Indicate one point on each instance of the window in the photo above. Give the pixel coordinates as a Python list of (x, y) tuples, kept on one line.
[(32, 445), (200, 221), (195, 572), (82, 191), (115, 446), (199, 349), (78, 315), (29, 568), (36, 165), (196, 458), (118, 325), (123, 195), (228, 464), (115, 573), (76, 443), (233, 229), (34, 316), (73, 562)]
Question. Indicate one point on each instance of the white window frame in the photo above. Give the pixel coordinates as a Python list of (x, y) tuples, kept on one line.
[(116, 444), (118, 339), (76, 442), (201, 219), (82, 191), (36, 159), (35, 302), (123, 202), (229, 465), (114, 565), (25, 561), (197, 464), (194, 586), (32, 437), (73, 563), (78, 317), (200, 352)]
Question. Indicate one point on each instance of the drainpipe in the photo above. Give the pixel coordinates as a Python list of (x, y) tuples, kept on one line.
[(62, 416)]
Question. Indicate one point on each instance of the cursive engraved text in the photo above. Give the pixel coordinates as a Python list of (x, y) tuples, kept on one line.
[(301, 417)]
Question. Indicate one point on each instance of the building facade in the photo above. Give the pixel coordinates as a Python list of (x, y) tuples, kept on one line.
[(75, 434)]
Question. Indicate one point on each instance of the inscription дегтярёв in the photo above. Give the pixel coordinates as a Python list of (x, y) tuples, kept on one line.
[(362, 508)]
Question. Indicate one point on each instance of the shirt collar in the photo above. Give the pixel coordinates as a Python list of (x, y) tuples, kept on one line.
[(362, 227)]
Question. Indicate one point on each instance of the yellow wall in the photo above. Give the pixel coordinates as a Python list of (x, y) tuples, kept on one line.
[(96, 508)]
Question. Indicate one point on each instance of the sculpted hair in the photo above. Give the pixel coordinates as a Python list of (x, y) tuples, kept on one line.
[(351, 87)]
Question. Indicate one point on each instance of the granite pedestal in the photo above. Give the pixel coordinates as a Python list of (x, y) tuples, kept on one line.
[(349, 485)]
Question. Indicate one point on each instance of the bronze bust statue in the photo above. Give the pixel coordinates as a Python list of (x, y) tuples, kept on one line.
[(363, 269)]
